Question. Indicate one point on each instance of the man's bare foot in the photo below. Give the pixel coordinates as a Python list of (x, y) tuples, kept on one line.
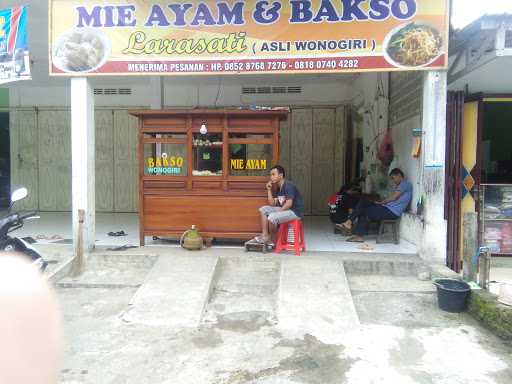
[(347, 224), (343, 230), (261, 239), (356, 239), (340, 226)]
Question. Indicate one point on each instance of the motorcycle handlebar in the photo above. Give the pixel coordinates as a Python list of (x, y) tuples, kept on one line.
[(27, 215)]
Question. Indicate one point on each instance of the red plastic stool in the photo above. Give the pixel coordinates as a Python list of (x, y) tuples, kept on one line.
[(296, 244)]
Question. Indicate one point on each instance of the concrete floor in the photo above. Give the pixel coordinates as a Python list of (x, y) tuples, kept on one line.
[(401, 335), (56, 228)]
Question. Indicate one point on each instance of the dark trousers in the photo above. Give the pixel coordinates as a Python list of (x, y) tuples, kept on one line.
[(366, 211)]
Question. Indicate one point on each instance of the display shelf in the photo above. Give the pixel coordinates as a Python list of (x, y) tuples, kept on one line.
[(496, 200), (218, 187), (502, 254)]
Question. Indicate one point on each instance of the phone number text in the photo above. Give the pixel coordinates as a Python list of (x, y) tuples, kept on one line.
[(284, 65)]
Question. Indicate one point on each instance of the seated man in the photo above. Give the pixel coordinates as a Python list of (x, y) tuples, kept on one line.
[(343, 202), (390, 208), (285, 204)]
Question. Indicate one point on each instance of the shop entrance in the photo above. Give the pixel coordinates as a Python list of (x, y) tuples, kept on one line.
[(496, 138), (495, 157), (486, 171), (311, 146)]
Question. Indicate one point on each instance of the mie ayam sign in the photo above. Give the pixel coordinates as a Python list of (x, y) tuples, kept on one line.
[(123, 37)]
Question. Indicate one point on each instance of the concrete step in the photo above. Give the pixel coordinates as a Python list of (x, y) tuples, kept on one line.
[(111, 271), (374, 263), (314, 296), (309, 293), (244, 292), (383, 283), (175, 291), (384, 264)]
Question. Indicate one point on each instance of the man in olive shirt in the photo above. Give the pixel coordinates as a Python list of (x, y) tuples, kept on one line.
[(285, 204)]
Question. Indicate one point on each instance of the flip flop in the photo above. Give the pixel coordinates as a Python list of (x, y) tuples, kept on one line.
[(254, 240), (122, 248), (258, 240), (344, 231), (119, 233), (353, 239)]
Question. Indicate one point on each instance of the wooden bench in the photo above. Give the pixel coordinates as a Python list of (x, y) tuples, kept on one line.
[(395, 231)]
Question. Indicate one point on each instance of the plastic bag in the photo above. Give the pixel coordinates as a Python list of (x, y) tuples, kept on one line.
[(386, 152)]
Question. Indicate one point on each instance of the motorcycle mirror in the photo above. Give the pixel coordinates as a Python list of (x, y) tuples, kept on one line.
[(19, 194)]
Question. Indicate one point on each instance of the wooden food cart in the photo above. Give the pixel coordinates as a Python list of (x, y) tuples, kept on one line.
[(206, 168)]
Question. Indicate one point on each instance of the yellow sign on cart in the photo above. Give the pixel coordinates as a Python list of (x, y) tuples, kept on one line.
[(137, 37)]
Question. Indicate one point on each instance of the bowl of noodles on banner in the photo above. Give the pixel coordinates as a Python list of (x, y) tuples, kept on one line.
[(81, 50), (413, 45)]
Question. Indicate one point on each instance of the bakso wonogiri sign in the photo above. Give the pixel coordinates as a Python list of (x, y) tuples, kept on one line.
[(130, 37)]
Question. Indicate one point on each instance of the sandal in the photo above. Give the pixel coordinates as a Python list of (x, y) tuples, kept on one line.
[(122, 248), (258, 240), (355, 239), (119, 233)]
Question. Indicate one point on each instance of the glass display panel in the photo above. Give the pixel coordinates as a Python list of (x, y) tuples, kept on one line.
[(497, 218), (250, 159), (256, 136), (165, 159), (166, 135), (207, 153)]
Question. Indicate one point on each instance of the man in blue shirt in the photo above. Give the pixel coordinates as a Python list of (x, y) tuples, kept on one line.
[(391, 207)]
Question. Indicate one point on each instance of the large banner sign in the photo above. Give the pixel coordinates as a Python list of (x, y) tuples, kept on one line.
[(137, 37), (14, 59)]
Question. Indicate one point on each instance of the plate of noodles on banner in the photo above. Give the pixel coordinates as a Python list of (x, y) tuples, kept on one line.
[(413, 45)]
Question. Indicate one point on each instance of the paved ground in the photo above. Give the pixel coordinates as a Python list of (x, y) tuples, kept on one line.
[(55, 228), (401, 337)]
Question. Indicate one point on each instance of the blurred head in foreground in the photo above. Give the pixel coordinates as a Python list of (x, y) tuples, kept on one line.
[(30, 324)]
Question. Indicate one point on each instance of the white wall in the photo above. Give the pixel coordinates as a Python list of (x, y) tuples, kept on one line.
[(487, 78), (403, 144), (372, 106), (434, 126), (192, 92), (375, 124), (229, 93), (411, 225), (427, 232)]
